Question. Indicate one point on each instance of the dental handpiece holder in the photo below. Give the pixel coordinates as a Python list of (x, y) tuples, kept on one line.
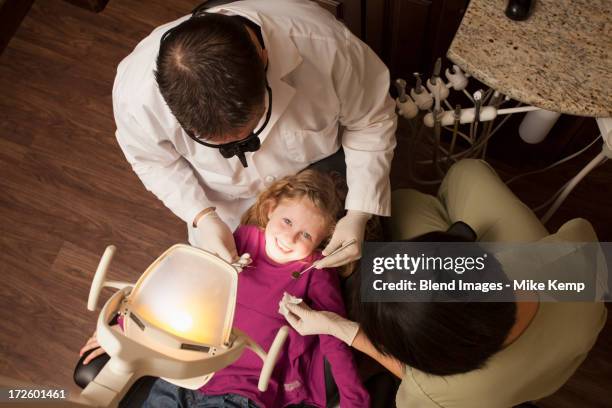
[(176, 324)]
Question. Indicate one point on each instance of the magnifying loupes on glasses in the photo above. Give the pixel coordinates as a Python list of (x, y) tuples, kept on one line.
[(238, 148)]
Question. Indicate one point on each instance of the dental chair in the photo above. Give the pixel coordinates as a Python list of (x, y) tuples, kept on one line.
[(169, 330), (472, 193), (138, 393)]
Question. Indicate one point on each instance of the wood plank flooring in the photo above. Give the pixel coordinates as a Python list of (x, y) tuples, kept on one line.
[(66, 191)]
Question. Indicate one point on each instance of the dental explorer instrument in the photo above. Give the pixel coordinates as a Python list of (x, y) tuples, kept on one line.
[(296, 274)]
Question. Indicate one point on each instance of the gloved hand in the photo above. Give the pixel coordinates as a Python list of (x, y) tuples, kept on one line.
[(307, 321), (243, 262), (213, 235), (351, 226)]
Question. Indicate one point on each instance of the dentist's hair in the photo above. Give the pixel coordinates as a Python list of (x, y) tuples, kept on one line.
[(440, 337), (211, 75), (325, 192)]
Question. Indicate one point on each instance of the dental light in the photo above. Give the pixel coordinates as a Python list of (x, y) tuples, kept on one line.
[(177, 324)]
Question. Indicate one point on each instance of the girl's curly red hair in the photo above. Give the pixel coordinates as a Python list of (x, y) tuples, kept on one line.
[(327, 193)]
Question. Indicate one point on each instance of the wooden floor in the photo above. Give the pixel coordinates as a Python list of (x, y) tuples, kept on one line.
[(66, 191)]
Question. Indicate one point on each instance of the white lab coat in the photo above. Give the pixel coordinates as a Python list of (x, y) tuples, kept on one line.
[(321, 77)]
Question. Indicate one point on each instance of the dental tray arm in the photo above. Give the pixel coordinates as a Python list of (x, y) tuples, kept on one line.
[(270, 358), (99, 280)]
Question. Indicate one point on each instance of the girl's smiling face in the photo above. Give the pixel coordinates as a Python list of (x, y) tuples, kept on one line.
[(295, 228)]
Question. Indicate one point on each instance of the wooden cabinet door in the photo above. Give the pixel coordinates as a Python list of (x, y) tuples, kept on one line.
[(12, 12), (349, 11), (410, 34)]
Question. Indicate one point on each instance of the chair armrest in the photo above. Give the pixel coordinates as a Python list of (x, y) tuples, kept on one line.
[(84, 374)]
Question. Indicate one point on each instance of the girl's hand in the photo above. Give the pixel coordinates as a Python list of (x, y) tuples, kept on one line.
[(91, 344)]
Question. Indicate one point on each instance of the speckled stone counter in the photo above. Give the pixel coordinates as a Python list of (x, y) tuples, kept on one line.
[(559, 59)]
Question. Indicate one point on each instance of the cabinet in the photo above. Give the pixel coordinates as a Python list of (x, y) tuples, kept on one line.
[(11, 14), (408, 35)]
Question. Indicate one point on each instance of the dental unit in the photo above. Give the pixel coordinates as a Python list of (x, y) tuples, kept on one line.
[(487, 107)]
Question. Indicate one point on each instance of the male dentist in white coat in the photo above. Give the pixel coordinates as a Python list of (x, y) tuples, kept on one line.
[(212, 108)]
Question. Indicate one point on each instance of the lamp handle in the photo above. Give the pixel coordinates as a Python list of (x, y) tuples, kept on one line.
[(98, 281), (271, 357)]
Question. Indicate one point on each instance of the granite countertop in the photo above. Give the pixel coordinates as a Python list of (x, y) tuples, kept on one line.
[(559, 59)]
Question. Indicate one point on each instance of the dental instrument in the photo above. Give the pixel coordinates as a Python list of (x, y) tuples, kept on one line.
[(436, 85), (418, 88), (297, 274), (469, 152), (422, 98), (405, 105), (456, 78), (400, 85)]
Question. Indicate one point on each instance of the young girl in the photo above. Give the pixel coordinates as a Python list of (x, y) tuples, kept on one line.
[(282, 231)]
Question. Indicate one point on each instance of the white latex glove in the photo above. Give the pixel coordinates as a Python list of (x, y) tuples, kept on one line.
[(287, 298), (243, 262), (351, 226), (307, 322), (213, 235)]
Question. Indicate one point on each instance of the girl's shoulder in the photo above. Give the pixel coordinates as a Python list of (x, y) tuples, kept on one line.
[(247, 236), (324, 275), (247, 228), (314, 256)]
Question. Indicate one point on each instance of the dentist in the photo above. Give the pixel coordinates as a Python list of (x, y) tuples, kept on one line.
[(214, 107)]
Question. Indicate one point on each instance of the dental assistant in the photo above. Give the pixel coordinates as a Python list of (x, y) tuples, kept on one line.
[(470, 354), (462, 355), (213, 108)]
